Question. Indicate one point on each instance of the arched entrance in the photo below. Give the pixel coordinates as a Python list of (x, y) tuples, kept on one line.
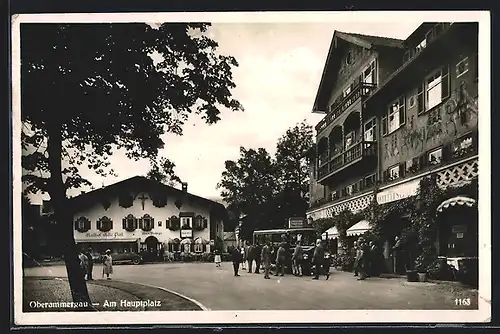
[(152, 245)]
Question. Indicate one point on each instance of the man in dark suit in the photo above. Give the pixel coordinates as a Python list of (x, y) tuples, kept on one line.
[(236, 258), (319, 260), (90, 264)]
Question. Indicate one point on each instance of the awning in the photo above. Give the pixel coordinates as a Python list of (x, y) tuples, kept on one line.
[(454, 201), (359, 228), (106, 240), (201, 241), (332, 233), (186, 241)]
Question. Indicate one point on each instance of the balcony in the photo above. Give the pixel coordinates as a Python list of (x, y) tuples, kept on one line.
[(342, 160), (341, 104)]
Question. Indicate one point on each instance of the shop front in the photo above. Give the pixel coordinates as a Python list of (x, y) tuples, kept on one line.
[(458, 232)]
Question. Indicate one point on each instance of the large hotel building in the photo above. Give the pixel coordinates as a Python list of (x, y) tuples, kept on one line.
[(395, 112)]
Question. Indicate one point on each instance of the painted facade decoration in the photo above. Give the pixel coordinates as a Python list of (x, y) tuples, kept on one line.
[(453, 118)]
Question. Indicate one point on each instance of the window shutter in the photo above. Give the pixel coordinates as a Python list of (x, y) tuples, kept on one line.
[(420, 99), (384, 125), (402, 114), (124, 223), (385, 175), (76, 224), (205, 222), (141, 224), (152, 222), (422, 161), (167, 223), (402, 170), (446, 153), (99, 225), (361, 184), (445, 83)]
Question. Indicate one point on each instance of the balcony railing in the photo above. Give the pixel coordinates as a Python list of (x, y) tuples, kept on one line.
[(349, 156), (339, 106), (430, 36)]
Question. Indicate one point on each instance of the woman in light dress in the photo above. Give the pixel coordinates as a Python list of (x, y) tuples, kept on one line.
[(218, 259), (84, 263), (107, 269)]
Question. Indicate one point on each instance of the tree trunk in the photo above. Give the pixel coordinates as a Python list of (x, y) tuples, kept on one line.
[(64, 219)]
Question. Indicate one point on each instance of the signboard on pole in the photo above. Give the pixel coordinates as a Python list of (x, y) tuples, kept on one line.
[(296, 222)]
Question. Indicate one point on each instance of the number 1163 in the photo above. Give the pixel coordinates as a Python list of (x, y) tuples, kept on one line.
[(462, 301)]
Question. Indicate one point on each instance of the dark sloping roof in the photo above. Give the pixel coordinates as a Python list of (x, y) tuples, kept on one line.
[(143, 181), (333, 59), (371, 40)]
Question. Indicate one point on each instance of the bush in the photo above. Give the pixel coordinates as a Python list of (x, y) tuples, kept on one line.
[(345, 261), (207, 257), (468, 272), (186, 257), (439, 269)]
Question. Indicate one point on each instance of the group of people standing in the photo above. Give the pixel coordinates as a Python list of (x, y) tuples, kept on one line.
[(368, 259), (87, 264), (263, 254)]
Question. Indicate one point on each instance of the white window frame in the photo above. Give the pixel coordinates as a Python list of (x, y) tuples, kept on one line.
[(465, 62), (198, 248), (372, 123), (397, 107), (189, 220), (422, 45), (437, 78), (186, 248), (147, 223), (433, 154), (81, 224), (351, 191), (346, 91), (373, 67), (394, 172), (332, 193), (352, 136)]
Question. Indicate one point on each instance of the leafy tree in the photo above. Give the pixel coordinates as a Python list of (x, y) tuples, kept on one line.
[(162, 170), (248, 185), (88, 89), (292, 171)]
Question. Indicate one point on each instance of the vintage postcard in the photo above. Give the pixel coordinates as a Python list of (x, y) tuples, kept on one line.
[(212, 168)]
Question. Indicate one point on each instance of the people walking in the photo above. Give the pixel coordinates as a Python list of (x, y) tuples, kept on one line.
[(280, 260), (318, 260), (84, 263), (90, 264), (354, 255), (236, 257), (249, 251), (257, 251), (297, 259), (217, 259), (362, 259), (265, 257), (243, 258), (108, 264)]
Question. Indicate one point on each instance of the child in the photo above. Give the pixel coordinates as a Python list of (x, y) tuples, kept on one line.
[(217, 259), (243, 258)]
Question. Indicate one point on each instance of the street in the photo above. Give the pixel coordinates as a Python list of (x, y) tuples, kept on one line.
[(217, 288)]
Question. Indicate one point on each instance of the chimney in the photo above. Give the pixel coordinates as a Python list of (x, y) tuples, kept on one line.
[(184, 187)]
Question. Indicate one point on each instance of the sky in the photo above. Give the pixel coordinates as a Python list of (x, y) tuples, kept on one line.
[(280, 67)]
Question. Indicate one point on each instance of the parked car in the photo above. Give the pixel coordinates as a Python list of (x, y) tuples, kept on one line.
[(129, 257)]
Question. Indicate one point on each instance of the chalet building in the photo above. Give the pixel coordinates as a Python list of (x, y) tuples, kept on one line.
[(141, 214), (395, 112)]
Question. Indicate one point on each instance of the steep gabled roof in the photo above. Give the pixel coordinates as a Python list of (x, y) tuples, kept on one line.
[(140, 181), (333, 59)]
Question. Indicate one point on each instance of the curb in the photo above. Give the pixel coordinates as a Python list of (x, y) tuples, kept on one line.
[(200, 305)]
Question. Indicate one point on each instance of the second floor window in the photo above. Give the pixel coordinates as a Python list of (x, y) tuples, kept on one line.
[(435, 156), (186, 222), (147, 223), (370, 131), (369, 74), (437, 88), (396, 116), (462, 67), (346, 91), (394, 173)]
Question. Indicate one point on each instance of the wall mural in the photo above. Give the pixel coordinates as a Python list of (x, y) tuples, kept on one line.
[(454, 117)]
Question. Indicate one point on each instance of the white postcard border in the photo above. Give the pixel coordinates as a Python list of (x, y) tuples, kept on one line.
[(483, 314)]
